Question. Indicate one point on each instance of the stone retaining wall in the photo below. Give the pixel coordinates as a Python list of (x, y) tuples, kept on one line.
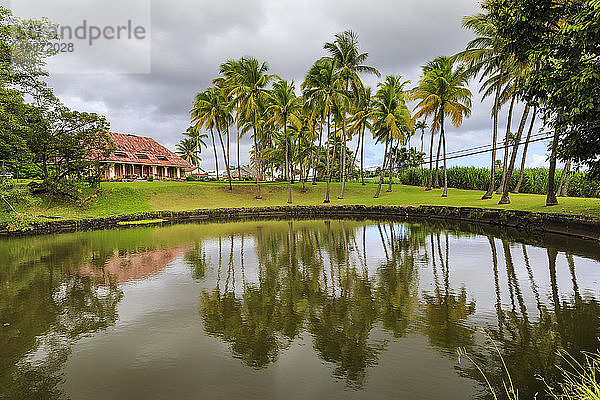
[(523, 221)]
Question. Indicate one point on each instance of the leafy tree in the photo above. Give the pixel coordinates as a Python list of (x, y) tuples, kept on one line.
[(349, 63), (322, 88), (562, 39), (284, 106), (360, 121), (391, 118), (248, 80), (442, 93)]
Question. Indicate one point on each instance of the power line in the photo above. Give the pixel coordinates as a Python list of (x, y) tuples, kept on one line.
[(540, 136), (472, 153)]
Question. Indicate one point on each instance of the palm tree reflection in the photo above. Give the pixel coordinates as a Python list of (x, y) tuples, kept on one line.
[(333, 282)]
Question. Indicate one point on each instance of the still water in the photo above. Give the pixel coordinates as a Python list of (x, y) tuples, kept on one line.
[(289, 309)]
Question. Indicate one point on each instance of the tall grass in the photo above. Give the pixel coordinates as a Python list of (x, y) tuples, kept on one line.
[(580, 380), (535, 180)]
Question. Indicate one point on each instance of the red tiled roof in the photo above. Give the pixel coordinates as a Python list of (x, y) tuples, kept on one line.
[(129, 149)]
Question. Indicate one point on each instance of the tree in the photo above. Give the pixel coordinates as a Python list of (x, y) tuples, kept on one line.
[(322, 88), (186, 149), (349, 62), (284, 106), (190, 147), (360, 121), (486, 55), (562, 39), (422, 125), (391, 118), (248, 81), (212, 111), (442, 93), (66, 147)]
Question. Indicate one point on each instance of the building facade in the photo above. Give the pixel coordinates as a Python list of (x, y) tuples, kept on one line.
[(137, 157)]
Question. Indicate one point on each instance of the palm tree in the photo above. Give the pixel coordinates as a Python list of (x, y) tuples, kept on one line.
[(442, 93), (350, 63), (283, 106), (227, 69), (360, 121), (248, 80), (212, 110), (392, 118), (204, 115), (485, 56), (321, 87), (188, 150), (196, 141), (422, 125)]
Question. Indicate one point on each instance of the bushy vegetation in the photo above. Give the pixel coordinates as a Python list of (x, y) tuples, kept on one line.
[(534, 180)]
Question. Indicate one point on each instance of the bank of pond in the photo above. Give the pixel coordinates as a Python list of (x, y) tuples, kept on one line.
[(334, 308)]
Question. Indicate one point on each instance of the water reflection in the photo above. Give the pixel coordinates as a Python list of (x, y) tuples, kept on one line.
[(55, 290), (320, 279), (344, 291)]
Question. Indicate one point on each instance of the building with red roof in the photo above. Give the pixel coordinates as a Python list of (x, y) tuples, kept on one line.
[(137, 157)]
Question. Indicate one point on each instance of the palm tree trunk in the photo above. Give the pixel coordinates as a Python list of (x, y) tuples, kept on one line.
[(564, 180), (355, 154), (257, 166), (328, 158), (507, 144), (362, 156), (226, 158), (215, 151), (341, 196), (506, 189), (390, 166), (316, 164), (443, 136), (524, 156), (289, 185), (430, 163), (436, 182), (385, 156), (238, 154), (490, 191), (551, 199)]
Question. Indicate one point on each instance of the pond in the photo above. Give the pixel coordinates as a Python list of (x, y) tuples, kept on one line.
[(332, 309)]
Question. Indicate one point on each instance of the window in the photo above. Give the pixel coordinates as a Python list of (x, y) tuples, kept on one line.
[(162, 158), (120, 154), (142, 156)]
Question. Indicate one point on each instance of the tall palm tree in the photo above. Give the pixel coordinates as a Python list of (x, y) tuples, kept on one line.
[(212, 111), (484, 56), (391, 118), (203, 114), (322, 87), (223, 82), (284, 106), (350, 63), (442, 93), (248, 81), (360, 121)]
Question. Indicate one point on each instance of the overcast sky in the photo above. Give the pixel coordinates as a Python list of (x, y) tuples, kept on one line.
[(187, 40)]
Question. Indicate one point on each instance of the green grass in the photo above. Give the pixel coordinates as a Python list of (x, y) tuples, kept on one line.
[(131, 197)]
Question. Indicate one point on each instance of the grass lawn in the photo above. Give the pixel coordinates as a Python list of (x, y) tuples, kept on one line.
[(131, 197)]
